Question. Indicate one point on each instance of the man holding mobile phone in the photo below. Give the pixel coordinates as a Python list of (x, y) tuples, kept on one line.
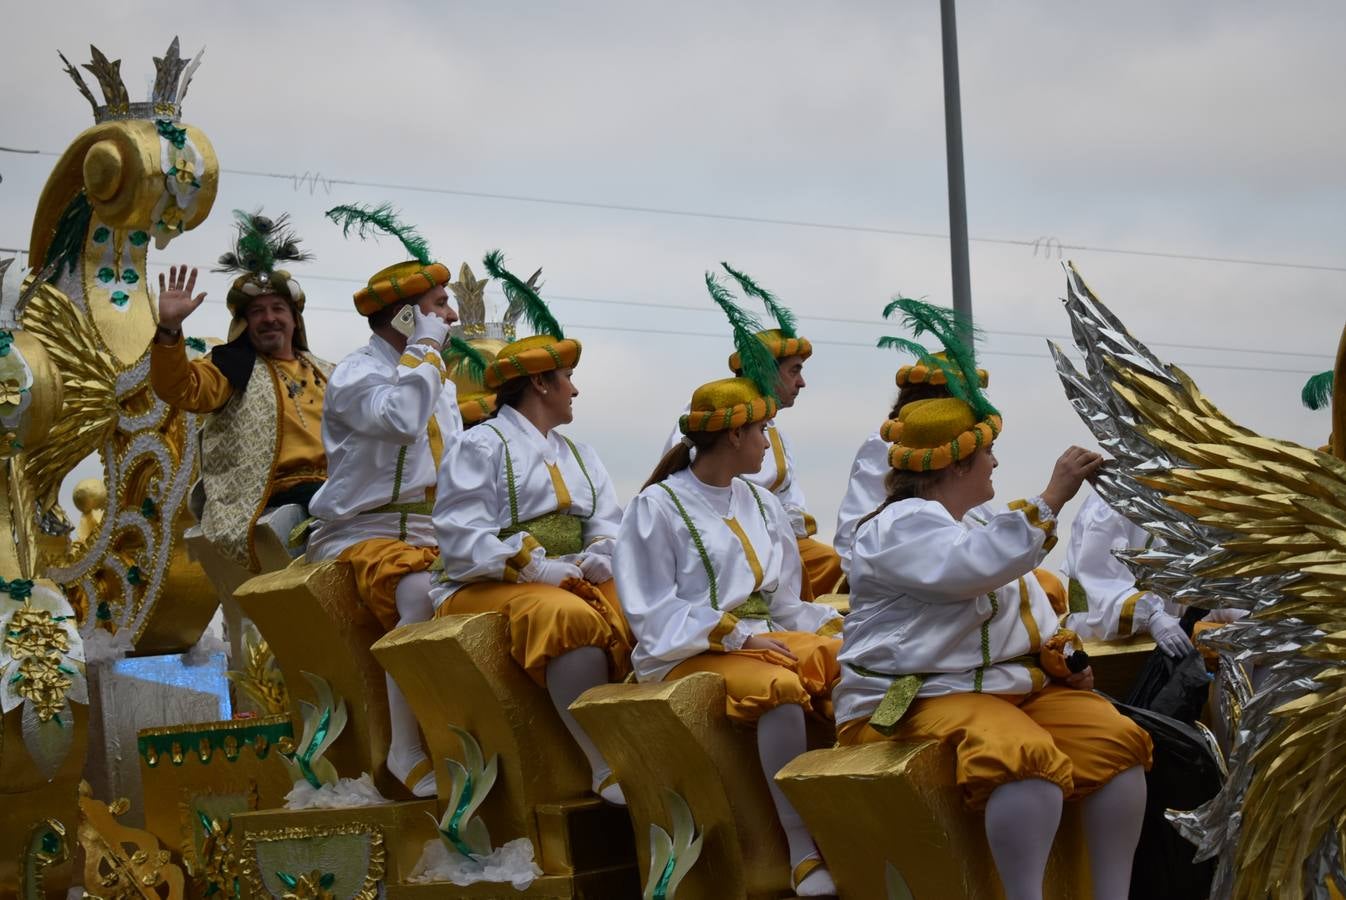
[(390, 410), (262, 383)]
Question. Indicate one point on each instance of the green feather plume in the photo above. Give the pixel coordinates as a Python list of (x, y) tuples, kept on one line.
[(948, 327), (371, 220), (460, 357), (260, 243), (785, 320), (757, 362), (520, 295), (1317, 391)]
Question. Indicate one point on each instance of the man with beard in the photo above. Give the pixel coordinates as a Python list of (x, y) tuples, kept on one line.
[(261, 393)]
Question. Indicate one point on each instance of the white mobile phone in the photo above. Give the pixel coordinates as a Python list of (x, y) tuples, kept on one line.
[(405, 320)]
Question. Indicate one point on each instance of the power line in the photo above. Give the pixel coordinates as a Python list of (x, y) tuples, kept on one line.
[(829, 343), (1036, 243), (871, 323)]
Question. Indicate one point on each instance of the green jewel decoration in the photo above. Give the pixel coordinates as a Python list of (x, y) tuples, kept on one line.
[(171, 133), (101, 234), (133, 575), (51, 843), (315, 885), (105, 274), (130, 276), (138, 238), (148, 509), (120, 298), (671, 858), (103, 612), (19, 588), (196, 344), (6, 339)]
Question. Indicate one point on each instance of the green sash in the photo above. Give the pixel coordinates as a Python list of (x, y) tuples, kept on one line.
[(560, 534)]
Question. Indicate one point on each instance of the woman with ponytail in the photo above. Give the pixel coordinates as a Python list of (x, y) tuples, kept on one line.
[(710, 577)]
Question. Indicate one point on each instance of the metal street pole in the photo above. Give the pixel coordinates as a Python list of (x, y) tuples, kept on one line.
[(953, 140)]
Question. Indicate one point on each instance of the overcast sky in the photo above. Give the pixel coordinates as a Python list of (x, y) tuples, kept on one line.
[(1201, 128)]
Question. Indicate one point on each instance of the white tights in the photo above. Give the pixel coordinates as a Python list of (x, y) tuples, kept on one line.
[(404, 748), (1021, 822), (568, 676), (780, 738)]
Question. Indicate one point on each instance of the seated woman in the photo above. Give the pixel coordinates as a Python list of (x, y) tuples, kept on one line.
[(710, 577), (948, 637), (527, 519)]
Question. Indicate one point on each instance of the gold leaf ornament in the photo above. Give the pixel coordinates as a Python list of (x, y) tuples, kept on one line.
[(41, 668)]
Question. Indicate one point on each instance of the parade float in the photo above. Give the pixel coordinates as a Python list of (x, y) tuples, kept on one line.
[(136, 761)]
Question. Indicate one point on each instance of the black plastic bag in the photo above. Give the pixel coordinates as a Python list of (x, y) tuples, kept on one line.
[(1176, 688), (1184, 776)]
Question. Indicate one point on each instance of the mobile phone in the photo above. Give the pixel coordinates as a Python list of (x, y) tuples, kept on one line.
[(405, 320)]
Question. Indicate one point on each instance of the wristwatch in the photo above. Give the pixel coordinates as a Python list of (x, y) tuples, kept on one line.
[(167, 336)]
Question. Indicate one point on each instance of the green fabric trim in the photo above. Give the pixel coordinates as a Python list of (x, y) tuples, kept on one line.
[(760, 508), (755, 607), (580, 460), (1078, 600), (398, 471), (411, 507), (985, 644), (560, 534), (896, 700), (700, 547), (509, 478)]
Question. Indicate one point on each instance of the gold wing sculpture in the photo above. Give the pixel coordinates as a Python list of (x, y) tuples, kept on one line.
[(1246, 522), (138, 176)]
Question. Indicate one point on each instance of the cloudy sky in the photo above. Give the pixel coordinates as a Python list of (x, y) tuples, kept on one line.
[(793, 139)]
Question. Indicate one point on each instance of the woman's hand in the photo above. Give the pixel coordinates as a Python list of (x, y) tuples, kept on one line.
[(762, 642), (1074, 466), (1082, 680)]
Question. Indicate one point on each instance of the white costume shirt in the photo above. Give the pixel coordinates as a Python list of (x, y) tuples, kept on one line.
[(1116, 607), (777, 475), (376, 429), (951, 601), (864, 494), (550, 474), (666, 589)]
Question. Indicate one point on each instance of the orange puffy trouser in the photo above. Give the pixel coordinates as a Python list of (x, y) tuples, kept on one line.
[(379, 564), (758, 681), (822, 568), (547, 621), (1072, 738)]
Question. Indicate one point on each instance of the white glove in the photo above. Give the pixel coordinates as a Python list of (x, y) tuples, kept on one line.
[(597, 567), (429, 328), (549, 571), (1168, 634)]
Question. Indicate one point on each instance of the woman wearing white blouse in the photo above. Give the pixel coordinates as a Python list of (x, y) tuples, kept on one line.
[(527, 518), (945, 641), (709, 574)]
